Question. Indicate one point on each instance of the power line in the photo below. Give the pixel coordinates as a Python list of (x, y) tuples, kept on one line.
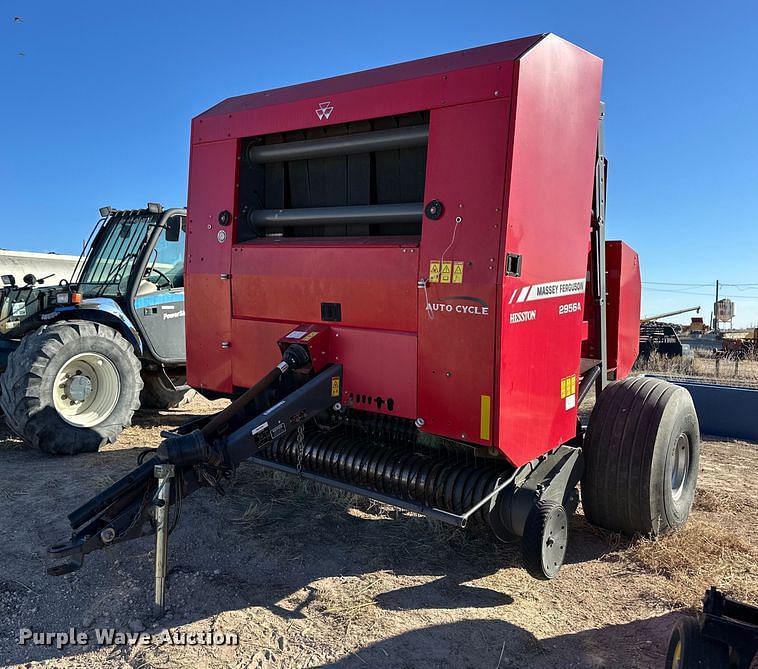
[(674, 283), (680, 292), (699, 285), (684, 292)]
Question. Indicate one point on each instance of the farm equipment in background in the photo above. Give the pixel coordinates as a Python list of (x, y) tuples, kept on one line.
[(740, 345), (663, 338), (724, 635), (78, 358), (401, 279)]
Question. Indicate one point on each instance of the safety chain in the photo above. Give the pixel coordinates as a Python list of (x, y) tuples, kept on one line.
[(300, 445)]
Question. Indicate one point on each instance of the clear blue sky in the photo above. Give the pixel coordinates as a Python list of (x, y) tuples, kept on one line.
[(98, 109)]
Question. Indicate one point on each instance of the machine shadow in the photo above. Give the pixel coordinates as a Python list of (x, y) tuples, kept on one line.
[(302, 533), (169, 418), (496, 643), (268, 542)]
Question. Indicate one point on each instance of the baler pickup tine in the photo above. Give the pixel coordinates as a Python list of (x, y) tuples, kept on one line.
[(458, 520)]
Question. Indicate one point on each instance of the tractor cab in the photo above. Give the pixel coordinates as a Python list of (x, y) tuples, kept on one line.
[(136, 261), (113, 335)]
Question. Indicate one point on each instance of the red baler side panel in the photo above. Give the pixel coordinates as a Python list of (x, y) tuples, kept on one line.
[(623, 294), (278, 285), (213, 171), (548, 204), (623, 311), (466, 170), (286, 281), (382, 366)]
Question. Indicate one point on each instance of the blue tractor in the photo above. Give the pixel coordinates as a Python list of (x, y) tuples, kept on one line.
[(79, 358)]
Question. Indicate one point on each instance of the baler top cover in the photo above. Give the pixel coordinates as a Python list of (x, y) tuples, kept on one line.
[(432, 218)]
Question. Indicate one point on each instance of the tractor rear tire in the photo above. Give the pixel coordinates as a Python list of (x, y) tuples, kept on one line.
[(641, 457), (90, 361), (158, 394)]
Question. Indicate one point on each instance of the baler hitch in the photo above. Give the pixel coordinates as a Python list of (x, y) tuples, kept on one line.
[(203, 457)]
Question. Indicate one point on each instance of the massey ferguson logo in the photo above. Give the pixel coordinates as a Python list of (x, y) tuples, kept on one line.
[(324, 110)]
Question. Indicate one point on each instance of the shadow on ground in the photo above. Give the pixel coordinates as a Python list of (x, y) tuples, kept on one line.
[(268, 540), (495, 643)]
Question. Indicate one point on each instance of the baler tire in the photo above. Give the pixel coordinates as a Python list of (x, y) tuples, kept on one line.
[(546, 527), (641, 457), (157, 395), (28, 384), (689, 649)]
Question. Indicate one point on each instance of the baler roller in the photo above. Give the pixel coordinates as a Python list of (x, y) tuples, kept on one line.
[(340, 215), (343, 145), (439, 482)]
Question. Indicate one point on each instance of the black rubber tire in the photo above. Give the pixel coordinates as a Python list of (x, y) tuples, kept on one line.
[(635, 430), (537, 533), (689, 649), (26, 387), (157, 394)]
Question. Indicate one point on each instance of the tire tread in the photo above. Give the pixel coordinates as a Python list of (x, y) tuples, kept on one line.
[(21, 388)]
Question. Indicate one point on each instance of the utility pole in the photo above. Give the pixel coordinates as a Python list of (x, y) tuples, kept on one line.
[(716, 309)]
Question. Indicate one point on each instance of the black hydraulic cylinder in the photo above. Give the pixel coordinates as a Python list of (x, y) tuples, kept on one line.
[(362, 214), (342, 145)]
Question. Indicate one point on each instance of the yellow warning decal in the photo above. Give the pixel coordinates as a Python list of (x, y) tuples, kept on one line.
[(568, 386), (447, 270), (434, 271), (484, 417), (458, 271), (335, 386), (310, 336)]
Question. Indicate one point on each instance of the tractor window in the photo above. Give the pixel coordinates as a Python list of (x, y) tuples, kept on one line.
[(114, 250), (359, 179), (165, 269)]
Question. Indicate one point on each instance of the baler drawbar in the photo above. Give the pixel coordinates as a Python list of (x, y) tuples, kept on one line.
[(400, 278)]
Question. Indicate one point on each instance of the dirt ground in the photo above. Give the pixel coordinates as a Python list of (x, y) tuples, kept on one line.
[(310, 578)]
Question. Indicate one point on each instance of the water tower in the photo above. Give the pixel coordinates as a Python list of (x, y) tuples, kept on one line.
[(724, 311)]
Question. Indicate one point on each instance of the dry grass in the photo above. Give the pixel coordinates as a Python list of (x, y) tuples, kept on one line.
[(703, 366), (696, 557)]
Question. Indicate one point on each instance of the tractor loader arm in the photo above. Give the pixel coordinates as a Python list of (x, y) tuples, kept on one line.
[(202, 457)]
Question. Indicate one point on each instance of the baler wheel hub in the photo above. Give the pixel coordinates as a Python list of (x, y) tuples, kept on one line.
[(681, 466), (545, 539)]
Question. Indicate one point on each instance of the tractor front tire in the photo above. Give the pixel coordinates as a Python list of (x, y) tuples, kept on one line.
[(158, 394), (641, 457), (71, 387)]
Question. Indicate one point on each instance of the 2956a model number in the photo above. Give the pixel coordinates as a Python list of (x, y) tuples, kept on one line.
[(569, 308)]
